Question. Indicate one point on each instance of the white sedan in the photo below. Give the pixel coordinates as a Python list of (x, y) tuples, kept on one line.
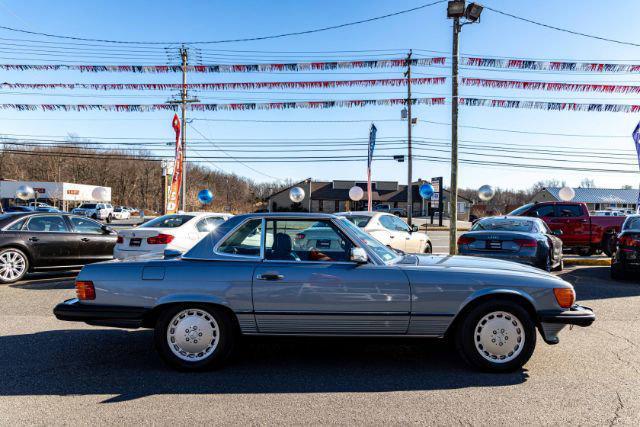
[(120, 212), (179, 232), (391, 231)]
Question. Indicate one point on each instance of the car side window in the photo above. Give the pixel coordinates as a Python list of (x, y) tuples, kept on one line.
[(303, 240), (84, 225), (387, 222), (400, 224), (569, 211), (207, 225), (17, 226), (245, 240), (543, 211), (49, 223)]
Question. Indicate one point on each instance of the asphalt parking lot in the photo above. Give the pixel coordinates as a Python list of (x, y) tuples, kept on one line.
[(63, 373)]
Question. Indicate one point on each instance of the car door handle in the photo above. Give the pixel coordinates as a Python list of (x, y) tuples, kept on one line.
[(270, 276), (85, 239), (33, 239)]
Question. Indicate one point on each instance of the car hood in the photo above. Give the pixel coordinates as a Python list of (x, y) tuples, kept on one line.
[(475, 263)]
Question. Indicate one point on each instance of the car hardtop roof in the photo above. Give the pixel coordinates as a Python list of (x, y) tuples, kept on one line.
[(203, 213), (303, 215), (363, 213), (513, 217)]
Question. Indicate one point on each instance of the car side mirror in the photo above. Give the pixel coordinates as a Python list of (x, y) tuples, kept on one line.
[(106, 229), (359, 255), (171, 253), (414, 228), (557, 232)]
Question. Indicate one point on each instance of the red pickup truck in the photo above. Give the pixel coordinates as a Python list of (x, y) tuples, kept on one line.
[(580, 232)]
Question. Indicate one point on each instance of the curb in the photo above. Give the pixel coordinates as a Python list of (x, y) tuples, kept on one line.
[(587, 261)]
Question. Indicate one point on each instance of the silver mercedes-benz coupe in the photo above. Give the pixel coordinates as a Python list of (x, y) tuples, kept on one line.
[(249, 277)]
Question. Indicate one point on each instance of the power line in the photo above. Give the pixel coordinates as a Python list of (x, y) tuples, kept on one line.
[(276, 36), (565, 30)]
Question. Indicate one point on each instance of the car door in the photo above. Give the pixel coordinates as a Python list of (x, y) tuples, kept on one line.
[(95, 244), (52, 241), (396, 239), (412, 241), (574, 223), (318, 290)]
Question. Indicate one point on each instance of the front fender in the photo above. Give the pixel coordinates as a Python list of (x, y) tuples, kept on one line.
[(497, 291)]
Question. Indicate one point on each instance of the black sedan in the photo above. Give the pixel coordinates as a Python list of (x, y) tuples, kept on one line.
[(626, 258), (519, 239), (39, 241)]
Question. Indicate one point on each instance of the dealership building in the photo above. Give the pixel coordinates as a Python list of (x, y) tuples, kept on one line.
[(333, 196), (64, 195)]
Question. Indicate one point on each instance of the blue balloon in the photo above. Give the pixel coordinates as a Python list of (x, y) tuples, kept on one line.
[(205, 197), (426, 190)]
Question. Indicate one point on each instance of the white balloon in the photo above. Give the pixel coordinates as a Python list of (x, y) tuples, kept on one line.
[(566, 194), (296, 194), (356, 193), (24, 192), (486, 193), (99, 194)]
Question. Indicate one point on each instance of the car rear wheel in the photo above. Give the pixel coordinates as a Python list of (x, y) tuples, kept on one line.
[(497, 336), (13, 265), (194, 337)]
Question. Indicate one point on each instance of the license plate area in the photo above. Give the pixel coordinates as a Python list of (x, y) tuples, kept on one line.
[(137, 241), (493, 244)]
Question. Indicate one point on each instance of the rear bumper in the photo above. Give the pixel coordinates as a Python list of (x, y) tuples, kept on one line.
[(552, 322), (73, 310)]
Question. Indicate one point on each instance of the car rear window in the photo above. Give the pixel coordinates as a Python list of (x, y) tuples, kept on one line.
[(168, 221), (359, 220), (503, 224), (88, 206), (632, 223)]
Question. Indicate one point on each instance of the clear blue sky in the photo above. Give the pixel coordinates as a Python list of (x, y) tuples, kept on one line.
[(425, 29)]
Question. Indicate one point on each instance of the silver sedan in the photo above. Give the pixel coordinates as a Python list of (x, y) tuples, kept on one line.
[(249, 277)]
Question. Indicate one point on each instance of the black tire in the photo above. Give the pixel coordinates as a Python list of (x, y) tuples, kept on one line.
[(226, 338), (109, 219), (94, 216), (23, 259), (617, 272), (469, 328), (428, 249), (609, 244)]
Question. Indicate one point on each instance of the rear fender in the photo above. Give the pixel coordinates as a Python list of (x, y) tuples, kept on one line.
[(198, 298)]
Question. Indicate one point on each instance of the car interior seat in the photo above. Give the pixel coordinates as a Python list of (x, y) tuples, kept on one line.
[(281, 248)]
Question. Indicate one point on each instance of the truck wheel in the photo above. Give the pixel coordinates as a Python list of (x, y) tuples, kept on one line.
[(194, 337), (497, 336), (608, 244), (109, 219), (94, 216)]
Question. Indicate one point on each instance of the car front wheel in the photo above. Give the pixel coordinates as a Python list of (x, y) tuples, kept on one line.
[(194, 337), (497, 336), (14, 265)]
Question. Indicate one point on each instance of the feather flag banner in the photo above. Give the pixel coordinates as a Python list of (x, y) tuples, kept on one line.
[(322, 84), (549, 106), (222, 107), (549, 86), (228, 68), (525, 64)]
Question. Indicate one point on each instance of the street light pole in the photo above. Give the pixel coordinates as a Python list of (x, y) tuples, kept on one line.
[(453, 194), (184, 55)]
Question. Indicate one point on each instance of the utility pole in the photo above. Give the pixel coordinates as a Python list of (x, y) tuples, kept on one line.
[(183, 101), (453, 193), (409, 158)]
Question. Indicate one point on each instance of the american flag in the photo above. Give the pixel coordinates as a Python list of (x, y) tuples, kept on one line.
[(372, 145)]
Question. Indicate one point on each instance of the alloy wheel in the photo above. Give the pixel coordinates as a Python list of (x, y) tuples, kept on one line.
[(499, 337), (13, 265), (193, 335)]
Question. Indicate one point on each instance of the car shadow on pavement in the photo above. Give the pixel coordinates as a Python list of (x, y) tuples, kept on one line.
[(595, 283), (124, 364), (48, 280)]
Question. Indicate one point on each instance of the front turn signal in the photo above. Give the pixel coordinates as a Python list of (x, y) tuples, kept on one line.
[(565, 296), (85, 290)]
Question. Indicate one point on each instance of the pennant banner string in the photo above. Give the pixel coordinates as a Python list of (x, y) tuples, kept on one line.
[(525, 64), (222, 107), (549, 106), (228, 86), (549, 86), (226, 68)]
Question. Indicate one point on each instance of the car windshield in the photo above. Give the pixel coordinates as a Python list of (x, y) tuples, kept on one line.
[(632, 223), (520, 210), (386, 254), (168, 221), (503, 224), (88, 206), (359, 220)]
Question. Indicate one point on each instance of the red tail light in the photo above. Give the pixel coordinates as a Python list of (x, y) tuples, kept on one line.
[(300, 236), (526, 243), (120, 239), (85, 290), (464, 240), (160, 239), (628, 241)]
